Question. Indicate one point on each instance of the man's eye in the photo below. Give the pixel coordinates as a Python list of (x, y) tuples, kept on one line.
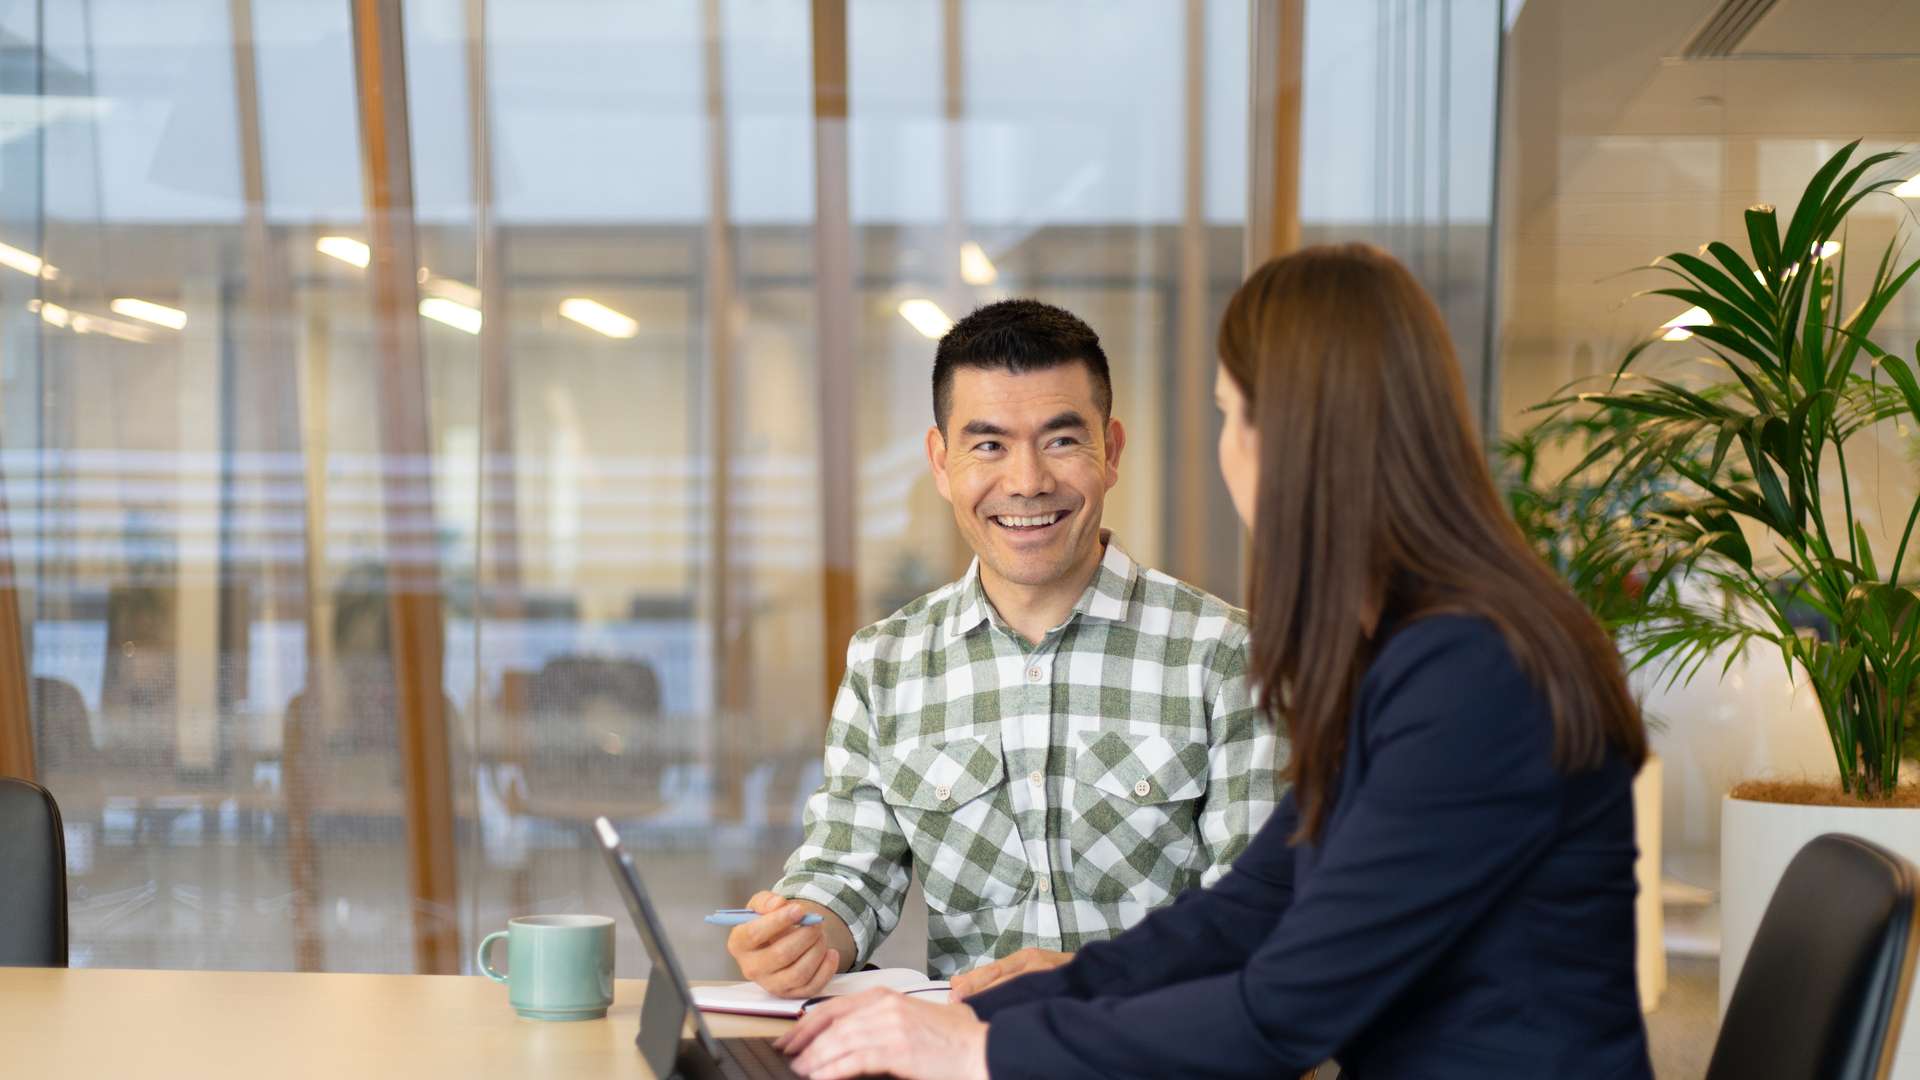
[(1065, 440), (985, 447)]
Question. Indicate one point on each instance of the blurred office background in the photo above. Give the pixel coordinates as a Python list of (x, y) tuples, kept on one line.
[(425, 426)]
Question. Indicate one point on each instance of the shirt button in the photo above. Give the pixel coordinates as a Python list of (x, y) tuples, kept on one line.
[(1045, 885), (1036, 778), (1143, 789), (1034, 674), (943, 793)]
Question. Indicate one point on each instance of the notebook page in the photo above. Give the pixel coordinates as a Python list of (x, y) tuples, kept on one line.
[(752, 1000)]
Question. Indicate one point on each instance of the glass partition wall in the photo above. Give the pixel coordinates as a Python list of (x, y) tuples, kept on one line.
[(426, 426)]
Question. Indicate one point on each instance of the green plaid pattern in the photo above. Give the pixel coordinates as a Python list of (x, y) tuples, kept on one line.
[(1047, 795)]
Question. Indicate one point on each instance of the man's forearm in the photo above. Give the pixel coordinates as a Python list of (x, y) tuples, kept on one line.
[(834, 929)]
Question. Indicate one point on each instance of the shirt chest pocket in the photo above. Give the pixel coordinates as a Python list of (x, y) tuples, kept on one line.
[(1135, 831), (950, 800)]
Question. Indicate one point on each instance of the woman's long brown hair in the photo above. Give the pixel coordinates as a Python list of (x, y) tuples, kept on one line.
[(1374, 499)]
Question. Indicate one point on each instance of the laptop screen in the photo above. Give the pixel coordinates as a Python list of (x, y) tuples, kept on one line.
[(669, 996)]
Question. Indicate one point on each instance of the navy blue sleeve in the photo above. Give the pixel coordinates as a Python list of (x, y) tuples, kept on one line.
[(1459, 797), (1203, 932)]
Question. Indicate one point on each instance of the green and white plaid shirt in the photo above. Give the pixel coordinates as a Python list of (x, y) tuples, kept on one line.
[(1048, 795)]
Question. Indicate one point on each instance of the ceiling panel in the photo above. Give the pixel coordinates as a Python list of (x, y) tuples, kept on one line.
[(1836, 28)]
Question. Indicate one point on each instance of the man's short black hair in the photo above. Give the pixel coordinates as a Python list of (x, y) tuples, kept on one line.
[(1018, 336)]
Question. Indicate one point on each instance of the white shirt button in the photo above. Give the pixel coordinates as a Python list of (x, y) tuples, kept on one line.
[(1037, 778), (1045, 885), (1034, 674), (943, 793), (1143, 789)]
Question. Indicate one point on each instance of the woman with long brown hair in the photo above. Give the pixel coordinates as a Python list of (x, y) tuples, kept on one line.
[(1448, 889)]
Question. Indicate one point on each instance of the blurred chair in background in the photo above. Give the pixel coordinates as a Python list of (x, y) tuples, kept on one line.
[(62, 728), (594, 720)]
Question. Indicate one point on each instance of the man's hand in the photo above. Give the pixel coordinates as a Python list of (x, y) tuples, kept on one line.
[(881, 1031), (968, 983), (775, 951)]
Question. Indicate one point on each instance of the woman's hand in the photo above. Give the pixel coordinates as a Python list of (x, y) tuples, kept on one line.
[(882, 1031), (968, 983)]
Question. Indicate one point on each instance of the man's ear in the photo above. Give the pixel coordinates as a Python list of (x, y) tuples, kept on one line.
[(1116, 442), (937, 458)]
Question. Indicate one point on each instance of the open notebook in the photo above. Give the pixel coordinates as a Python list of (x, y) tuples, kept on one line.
[(750, 1000)]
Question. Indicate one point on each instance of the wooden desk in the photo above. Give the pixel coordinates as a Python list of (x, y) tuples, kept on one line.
[(216, 1024)]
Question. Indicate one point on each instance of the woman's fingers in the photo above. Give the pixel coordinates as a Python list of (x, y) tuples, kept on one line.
[(885, 1032), (972, 982), (873, 1020), (817, 1020), (968, 983)]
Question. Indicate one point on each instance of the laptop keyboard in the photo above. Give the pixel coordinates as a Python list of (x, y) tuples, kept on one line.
[(753, 1059)]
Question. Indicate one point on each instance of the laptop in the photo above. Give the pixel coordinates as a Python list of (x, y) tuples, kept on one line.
[(669, 1000)]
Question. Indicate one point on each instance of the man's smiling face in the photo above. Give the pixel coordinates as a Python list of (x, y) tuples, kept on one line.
[(1026, 461)]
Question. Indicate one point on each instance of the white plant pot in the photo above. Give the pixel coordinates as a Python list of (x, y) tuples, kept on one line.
[(1757, 840)]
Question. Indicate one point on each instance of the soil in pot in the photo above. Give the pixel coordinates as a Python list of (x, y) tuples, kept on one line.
[(1811, 793)]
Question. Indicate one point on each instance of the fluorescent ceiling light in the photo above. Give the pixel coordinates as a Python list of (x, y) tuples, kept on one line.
[(457, 291), (346, 249), (1910, 189), (51, 314), (458, 316), (1676, 327), (926, 317), (598, 317), (148, 311), (26, 262), (82, 323), (114, 328), (975, 267)]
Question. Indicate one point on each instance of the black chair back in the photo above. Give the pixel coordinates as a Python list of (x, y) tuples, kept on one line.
[(1825, 983), (33, 877)]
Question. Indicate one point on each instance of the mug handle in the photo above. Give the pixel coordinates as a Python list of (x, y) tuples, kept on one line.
[(480, 957)]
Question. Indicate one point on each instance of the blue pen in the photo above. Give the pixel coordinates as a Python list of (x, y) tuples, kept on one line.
[(739, 916)]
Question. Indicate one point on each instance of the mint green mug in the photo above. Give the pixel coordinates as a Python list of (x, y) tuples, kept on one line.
[(559, 967)]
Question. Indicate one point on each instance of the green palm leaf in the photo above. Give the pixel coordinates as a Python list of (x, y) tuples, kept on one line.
[(1654, 526)]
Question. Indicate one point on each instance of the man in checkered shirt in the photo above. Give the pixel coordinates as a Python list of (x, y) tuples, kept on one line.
[(1059, 742)]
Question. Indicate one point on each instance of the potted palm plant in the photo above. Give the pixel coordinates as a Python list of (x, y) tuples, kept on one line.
[(1757, 540)]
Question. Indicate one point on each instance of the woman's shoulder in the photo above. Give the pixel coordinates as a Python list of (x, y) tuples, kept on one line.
[(1443, 638), (1444, 666)]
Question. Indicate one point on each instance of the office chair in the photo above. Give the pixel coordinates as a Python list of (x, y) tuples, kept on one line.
[(33, 877), (626, 687), (62, 728), (1825, 983), (573, 703)]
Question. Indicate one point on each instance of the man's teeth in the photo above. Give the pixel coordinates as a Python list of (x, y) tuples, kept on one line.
[(1030, 522)]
